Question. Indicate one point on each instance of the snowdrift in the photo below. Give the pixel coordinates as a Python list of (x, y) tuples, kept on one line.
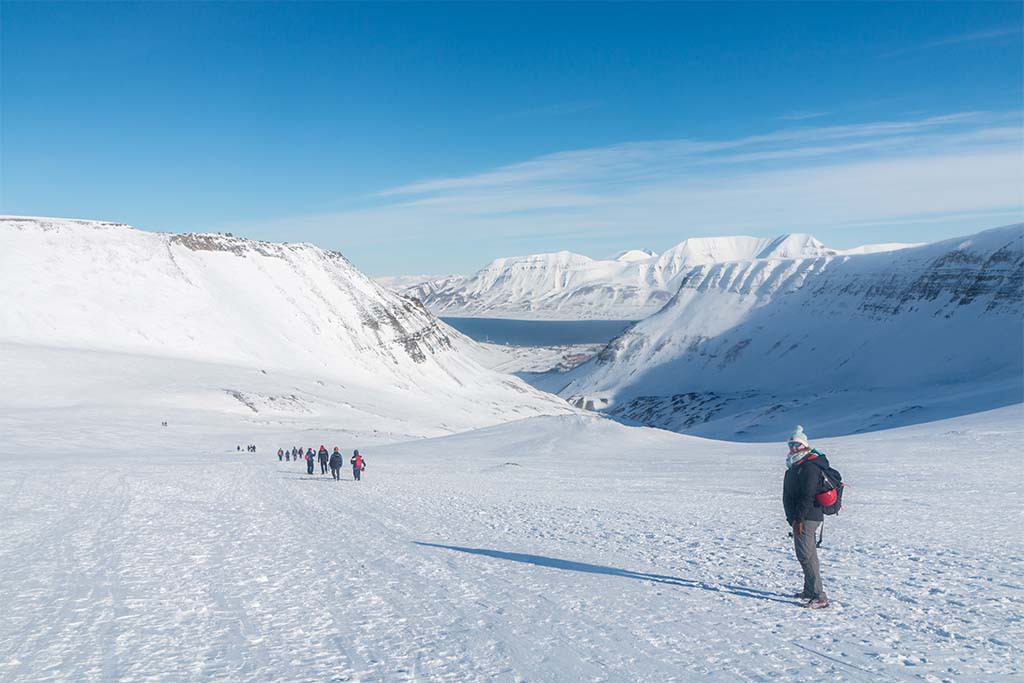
[(226, 316), (848, 342)]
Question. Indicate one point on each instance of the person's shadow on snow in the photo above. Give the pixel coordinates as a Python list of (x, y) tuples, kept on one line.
[(570, 565), (316, 477)]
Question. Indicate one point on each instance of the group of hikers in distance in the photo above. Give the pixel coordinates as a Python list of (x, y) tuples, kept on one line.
[(331, 461), (812, 488)]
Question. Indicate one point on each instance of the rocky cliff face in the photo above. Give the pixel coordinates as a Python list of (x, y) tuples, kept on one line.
[(749, 347)]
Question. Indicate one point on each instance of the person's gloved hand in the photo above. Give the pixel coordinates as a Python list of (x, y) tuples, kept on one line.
[(798, 529)]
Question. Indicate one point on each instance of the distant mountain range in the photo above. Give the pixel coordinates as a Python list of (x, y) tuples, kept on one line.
[(749, 337), (838, 342), (568, 286)]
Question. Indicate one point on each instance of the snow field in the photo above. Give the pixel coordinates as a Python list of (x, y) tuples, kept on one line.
[(549, 549)]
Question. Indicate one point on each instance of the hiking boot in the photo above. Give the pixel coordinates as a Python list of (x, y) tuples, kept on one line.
[(817, 603)]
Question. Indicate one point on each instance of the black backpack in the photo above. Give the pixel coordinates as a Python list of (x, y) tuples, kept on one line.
[(830, 489)]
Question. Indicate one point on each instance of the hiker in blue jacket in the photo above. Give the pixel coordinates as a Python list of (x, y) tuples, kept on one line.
[(335, 463)]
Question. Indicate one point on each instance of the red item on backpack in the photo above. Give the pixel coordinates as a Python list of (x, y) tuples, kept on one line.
[(826, 498)]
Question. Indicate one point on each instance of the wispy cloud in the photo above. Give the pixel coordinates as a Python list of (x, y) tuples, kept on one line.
[(562, 109), (808, 179), (802, 115), (972, 37), (640, 161)]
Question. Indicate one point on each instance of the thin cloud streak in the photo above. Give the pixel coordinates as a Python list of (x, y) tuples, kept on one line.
[(802, 115), (951, 167), (642, 155), (974, 37), (563, 109)]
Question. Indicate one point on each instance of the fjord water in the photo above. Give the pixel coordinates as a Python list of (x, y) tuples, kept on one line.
[(539, 332)]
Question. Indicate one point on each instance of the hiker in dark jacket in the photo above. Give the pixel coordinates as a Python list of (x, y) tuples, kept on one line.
[(358, 465), (801, 484), (310, 461), (323, 458), (335, 463)]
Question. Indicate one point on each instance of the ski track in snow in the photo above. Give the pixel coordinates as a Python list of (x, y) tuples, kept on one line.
[(567, 549)]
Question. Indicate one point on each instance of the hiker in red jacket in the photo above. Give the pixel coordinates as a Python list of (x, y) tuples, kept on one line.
[(358, 465)]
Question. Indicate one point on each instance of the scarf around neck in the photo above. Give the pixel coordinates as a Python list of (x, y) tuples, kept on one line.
[(800, 456)]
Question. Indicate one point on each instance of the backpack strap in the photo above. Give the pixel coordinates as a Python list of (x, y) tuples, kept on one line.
[(824, 471)]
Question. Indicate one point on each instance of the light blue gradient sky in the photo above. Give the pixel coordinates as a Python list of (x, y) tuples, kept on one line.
[(421, 138)]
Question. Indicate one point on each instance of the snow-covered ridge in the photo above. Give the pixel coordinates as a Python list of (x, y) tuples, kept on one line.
[(876, 248), (564, 285), (632, 255), (194, 295), (229, 301), (749, 347)]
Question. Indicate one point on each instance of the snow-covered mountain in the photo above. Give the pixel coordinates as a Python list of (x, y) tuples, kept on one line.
[(337, 340), (568, 286), (632, 255), (422, 288), (418, 286), (753, 347)]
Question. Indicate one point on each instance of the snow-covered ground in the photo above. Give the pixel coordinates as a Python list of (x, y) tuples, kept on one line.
[(549, 549), (536, 359)]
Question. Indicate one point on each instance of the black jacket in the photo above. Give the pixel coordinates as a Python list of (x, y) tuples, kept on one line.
[(335, 460), (802, 483)]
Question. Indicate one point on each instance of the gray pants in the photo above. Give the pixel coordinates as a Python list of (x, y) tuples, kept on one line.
[(807, 555)]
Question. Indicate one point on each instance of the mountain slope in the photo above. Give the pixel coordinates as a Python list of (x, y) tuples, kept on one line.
[(750, 348), (290, 309), (570, 286)]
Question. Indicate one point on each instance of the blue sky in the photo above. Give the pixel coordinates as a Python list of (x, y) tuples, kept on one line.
[(425, 138)]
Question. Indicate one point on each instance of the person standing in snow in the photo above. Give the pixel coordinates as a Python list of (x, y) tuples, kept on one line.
[(323, 458), (335, 463), (358, 465), (801, 484), (280, 454), (310, 460)]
